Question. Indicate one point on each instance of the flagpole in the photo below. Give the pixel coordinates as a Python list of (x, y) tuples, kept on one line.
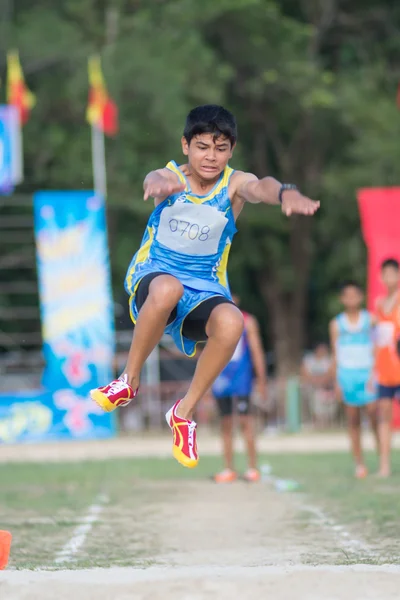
[(99, 162)]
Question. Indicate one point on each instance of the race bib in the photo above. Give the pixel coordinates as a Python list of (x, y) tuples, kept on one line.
[(355, 356), (193, 229)]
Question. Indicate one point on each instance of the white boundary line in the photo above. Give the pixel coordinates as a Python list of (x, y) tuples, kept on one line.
[(130, 575), (339, 532), (80, 533)]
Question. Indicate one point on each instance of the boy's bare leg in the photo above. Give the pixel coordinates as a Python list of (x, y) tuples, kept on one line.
[(354, 426), (385, 435), (372, 412), (224, 328), (227, 440), (247, 427), (165, 291)]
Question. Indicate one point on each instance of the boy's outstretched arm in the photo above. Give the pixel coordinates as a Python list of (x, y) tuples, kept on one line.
[(160, 184), (270, 191)]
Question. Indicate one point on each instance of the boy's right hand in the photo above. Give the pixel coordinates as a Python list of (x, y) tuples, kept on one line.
[(371, 384), (338, 392), (157, 186)]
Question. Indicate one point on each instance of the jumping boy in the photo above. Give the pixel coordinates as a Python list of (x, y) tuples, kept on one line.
[(387, 364), (232, 390), (351, 335), (177, 281)]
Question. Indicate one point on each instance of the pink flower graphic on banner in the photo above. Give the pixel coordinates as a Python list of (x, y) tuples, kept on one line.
[(76, 360), (76, 368), (78, 409)]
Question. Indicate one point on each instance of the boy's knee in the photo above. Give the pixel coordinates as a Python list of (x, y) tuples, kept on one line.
[(227, 424), (226, 322), (354, 418), (165, 291), (245, 424), (385, 411)]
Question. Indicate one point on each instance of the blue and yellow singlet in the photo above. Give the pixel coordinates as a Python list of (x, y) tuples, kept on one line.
[(187, 236)]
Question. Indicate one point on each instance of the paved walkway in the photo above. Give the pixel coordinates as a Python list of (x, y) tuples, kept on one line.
[(150, 445)]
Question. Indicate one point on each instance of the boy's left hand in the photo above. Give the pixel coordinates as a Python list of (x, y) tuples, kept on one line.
[(371, 386), (261, 386), (338, 393), (293, 202)]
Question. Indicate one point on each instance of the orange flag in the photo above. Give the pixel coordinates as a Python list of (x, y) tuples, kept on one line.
[(18, 93), (101, 110)]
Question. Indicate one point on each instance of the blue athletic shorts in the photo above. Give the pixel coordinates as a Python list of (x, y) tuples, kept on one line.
[(187, 322), (356, 393), (389, 391)]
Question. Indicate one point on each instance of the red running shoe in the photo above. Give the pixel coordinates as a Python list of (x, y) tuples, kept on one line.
[(117, 393), (225, 476), (184, 447), (252, 475)]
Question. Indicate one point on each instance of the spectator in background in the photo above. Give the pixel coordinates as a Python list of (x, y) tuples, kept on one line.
[(232, 390), (316, 373), (387, 360), (351, 335)]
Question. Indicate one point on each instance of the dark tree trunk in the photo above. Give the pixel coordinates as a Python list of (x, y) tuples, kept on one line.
[(287, 307)]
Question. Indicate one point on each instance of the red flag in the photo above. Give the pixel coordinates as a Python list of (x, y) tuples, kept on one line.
[(101, 110), (18, 93)]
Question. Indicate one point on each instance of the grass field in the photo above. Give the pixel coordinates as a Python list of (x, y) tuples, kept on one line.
[(42, 504)]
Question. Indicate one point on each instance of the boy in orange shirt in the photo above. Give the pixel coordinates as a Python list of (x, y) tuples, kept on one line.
[(387, 361)]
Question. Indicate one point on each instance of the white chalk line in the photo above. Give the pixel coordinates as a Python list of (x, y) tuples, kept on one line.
[(129, 575), (339, 532), (80, 533)]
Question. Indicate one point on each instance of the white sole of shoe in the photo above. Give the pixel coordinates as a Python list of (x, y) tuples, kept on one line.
[(168, 417)]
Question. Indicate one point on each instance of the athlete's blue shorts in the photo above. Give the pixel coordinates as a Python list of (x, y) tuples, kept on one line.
[(355, 392), (389, 391), (188, 320)]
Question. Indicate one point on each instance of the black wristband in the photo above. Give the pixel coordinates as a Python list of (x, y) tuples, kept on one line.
[(284, 188)]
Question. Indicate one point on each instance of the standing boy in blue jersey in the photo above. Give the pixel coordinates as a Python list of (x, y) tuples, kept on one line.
[(232, 390), (351, 335), (177, 281)]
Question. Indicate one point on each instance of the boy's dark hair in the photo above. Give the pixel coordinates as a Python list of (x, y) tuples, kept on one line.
[(390, 262), (210, 118), (350, 283)]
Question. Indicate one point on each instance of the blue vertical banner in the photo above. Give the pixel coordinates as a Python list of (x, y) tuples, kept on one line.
[(76, 304), (77, 324)]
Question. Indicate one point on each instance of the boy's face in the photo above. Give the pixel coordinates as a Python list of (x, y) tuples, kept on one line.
[(390, 277), (351, 297), (321, 351), (207, 155)]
